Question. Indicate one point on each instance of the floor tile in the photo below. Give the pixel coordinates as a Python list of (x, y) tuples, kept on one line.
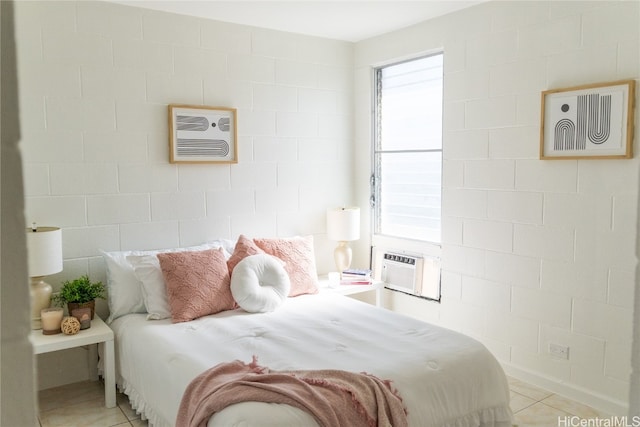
[(56, 397), (519, 402), (123, 402), (528, 390), (572, 407), (88, 413), (82, 404), (539, 414)]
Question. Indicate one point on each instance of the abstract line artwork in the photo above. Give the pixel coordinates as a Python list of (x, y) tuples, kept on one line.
[(592, 121), (201, 134)]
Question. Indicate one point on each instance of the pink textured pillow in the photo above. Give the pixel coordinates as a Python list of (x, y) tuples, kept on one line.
[(197, 283), (299, 261), (244, 248)]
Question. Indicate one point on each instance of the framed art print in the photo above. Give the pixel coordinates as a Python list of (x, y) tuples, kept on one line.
[(199, 134), (592, 121)]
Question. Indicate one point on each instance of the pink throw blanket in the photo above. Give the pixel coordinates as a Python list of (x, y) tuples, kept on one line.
[(335, 398)]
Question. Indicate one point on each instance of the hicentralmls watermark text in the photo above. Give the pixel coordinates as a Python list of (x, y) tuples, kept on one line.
[(574, 421)]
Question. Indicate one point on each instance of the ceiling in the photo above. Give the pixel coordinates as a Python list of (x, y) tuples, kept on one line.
[(349, 20)]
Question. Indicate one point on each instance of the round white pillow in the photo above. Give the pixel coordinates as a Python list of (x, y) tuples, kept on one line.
[(259, 283)]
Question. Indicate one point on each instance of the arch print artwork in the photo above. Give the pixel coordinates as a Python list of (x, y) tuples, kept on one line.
[(591, 121), (200, 134)]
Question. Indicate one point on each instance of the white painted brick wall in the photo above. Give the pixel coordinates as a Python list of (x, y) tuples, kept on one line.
[(514, 142), (534, 175), (620, 289), (534, 304), (465, 203), (517, 207), (585, 351), (490, 235), (601, 320), (560, 235), (491, 112), (523, 333), (513, 269), (275, 97), (616, 364), (151, 234), (543, 242), (576, 279), (482, 292), (117, 209), (489, 174), (64, 211), (95, 85), (467, 144)]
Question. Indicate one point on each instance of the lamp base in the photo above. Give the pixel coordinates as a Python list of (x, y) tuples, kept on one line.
[(342, 256), (40, 299)]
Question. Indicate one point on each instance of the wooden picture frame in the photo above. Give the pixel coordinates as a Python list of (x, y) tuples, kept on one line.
[(201, 134), (588, 122)]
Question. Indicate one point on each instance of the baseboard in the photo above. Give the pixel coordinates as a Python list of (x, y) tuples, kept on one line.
[(597, 401)]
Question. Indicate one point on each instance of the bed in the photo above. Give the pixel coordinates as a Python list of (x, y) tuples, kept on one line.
[(444, 378)]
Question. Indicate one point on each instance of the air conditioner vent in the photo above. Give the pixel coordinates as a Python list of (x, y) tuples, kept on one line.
[(411, 273), (400, 258)]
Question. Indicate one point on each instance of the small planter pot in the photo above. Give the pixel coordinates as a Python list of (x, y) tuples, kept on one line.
[(84, 317), (74, 305)]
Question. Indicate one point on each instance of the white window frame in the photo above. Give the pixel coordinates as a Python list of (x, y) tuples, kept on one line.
[(380, 243), (431, 248)]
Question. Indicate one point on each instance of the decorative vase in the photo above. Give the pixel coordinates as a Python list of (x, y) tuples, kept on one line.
[(74, 305)]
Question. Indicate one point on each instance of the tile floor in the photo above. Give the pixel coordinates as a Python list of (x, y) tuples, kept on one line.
[(82, 404), (533, 406)]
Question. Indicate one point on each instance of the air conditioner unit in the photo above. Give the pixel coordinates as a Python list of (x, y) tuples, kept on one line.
[(410, 273), (402, 272)]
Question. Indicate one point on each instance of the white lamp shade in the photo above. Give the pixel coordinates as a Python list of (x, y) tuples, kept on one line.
[(45, 251), (343, 224)]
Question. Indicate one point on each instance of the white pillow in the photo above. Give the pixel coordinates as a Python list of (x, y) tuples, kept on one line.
[(259, 283), (227, 244), (154, 290), (124, 290)]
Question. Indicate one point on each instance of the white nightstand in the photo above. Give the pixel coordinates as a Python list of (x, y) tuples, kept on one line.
[(99, 333), (376, 286)]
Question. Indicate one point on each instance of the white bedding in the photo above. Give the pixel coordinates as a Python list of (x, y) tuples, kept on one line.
[(444, 378)]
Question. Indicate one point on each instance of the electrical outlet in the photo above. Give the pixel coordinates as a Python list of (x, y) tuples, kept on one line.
[(559, 351)]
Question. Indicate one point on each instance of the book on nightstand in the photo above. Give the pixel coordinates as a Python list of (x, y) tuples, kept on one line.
[(356, 276)]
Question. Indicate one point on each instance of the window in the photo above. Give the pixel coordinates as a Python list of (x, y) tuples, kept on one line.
[(407, 178)]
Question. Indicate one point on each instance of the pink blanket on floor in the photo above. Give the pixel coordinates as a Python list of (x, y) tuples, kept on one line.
[(333, 397)]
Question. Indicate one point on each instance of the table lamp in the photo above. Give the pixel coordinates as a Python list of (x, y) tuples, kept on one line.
[(44, 245), (343, 225)]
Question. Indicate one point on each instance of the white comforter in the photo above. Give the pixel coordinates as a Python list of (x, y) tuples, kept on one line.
[(444, 378)]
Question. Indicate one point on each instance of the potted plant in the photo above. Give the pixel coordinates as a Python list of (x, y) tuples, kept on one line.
[(79, 293)]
